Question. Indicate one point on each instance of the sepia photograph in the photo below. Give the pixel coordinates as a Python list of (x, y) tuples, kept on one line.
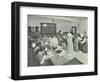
[(57, 40)]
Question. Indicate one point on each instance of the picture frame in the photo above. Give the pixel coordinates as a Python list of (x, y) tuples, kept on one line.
[(17, 20)]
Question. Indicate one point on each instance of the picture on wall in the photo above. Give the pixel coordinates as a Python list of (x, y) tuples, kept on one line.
[(53, 40)]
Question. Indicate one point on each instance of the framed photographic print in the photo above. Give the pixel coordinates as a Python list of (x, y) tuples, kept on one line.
[(53, 40)]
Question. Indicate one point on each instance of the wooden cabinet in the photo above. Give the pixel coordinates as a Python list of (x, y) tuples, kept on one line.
[(48, 28)]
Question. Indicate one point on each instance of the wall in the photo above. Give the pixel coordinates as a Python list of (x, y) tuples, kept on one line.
[(5, 41), (63, 25)]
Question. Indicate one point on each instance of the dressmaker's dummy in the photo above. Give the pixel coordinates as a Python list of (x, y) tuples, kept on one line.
[(69, 43)]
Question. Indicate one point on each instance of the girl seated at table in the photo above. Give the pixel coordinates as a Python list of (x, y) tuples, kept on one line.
[(45, 54)]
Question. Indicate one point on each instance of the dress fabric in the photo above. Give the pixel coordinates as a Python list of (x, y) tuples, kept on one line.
[(70, 43)]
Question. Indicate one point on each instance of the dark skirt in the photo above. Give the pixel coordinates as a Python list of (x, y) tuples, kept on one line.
[(83, 47)]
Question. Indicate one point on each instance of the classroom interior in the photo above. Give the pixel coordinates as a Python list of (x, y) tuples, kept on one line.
[(57, 40)]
